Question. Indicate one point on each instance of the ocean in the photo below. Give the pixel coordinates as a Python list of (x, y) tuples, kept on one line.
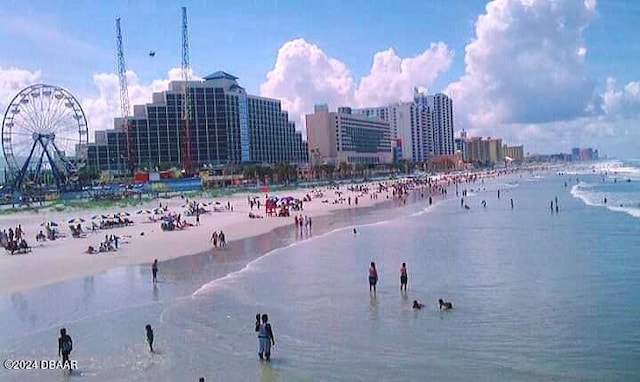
[(537, 295)]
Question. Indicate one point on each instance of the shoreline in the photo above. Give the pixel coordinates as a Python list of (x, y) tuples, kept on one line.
[(64, 259)]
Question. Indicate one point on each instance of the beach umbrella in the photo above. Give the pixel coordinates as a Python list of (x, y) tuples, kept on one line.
[(124, 213), (218, 203), (76, 220), (95, 217), (144, 212), (158, 211), (111, 216), (49, 223)]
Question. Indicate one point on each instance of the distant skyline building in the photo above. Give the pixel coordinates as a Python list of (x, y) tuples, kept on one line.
[(486, 150), (228, 126), (461, 145), (516, 153), (346, 137), (584, 154)]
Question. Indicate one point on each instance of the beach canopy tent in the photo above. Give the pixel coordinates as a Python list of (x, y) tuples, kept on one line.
[(123, 213), (96, 217), (144, 212), (50, 223), (76, 220)]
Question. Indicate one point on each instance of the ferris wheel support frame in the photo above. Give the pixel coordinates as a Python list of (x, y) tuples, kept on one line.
[(25, 167)]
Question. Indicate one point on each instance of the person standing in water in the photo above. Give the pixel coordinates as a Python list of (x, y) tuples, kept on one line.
[(149, 337), (65, 346), (265, 337), (403, 277), (511, 203), (373, 277), (154, 271)]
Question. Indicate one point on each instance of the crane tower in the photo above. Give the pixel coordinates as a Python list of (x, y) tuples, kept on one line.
[(124, 98), (186, 106)]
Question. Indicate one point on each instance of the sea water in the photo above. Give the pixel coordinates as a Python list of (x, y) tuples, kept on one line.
[(537, 295)]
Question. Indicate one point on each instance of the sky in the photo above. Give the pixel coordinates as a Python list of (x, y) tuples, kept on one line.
[(549, 74)]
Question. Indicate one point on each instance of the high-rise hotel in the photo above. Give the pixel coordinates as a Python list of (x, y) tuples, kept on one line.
[(227, 126), (344, 137), (420, 129)]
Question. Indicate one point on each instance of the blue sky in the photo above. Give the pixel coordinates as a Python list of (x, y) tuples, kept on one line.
[(71, 41)]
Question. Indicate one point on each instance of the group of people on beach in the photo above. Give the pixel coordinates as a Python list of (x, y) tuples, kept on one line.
[(13, 240), (404, 279), (301, 222), (110, 244), (218, 239)]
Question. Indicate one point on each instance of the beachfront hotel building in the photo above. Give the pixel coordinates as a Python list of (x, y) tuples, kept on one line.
[(345, 137), (423, 128), (516, 153), (227, 127)]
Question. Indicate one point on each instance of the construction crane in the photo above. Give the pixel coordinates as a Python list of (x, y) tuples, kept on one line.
[(186, 105), (124, 98)]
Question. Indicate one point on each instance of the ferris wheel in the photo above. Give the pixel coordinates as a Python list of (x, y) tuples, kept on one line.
[(44, 136)]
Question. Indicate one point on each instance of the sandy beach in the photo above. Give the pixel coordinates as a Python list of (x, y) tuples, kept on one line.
[(65, 258)]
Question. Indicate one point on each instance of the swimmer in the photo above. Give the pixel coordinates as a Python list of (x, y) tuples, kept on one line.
[(445, 305), (417, 305), (355, 231)]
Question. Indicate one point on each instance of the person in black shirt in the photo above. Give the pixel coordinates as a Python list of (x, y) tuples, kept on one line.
[(149, 336), (65, 346), (154, 271)]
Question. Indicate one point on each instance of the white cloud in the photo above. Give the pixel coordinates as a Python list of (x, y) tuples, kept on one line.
[(393, 78), (622, 101), (304, 75), (13, 80), (525, 65)]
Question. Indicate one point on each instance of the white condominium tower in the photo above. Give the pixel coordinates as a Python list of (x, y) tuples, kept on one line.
[(419, 129)]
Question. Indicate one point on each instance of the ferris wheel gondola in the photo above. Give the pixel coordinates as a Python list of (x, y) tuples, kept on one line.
[(44, 131)]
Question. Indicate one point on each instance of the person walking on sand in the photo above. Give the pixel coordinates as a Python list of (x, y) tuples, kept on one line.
[(65, 346), (403, 277), (265, 337), (373, 277), (223, 240), (214, 239), (154, 271), (149, 330)]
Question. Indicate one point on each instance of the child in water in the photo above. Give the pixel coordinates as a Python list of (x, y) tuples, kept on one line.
[(265, 337), (417, 305)]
